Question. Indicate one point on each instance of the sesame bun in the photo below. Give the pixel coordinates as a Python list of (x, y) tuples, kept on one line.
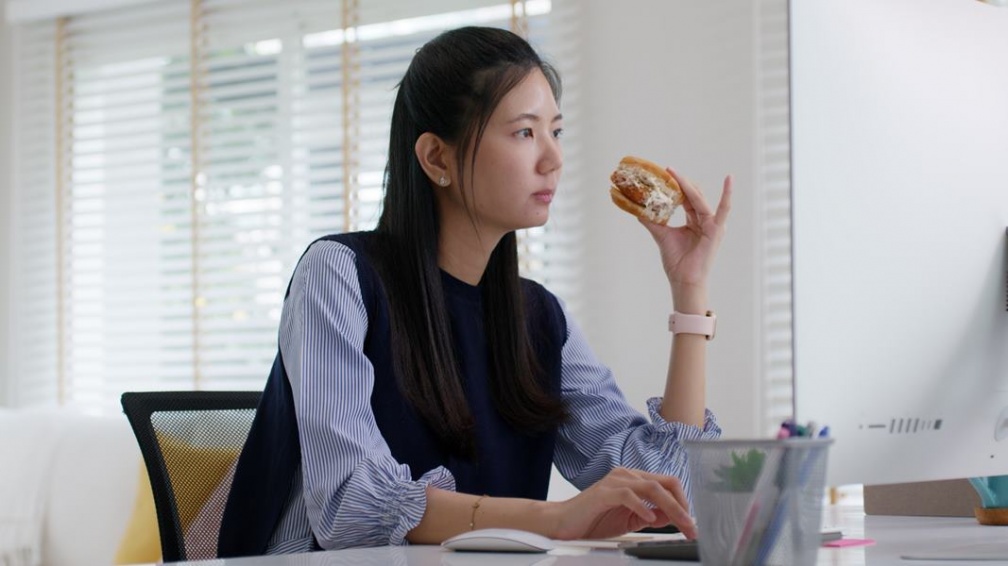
[(644, 189)]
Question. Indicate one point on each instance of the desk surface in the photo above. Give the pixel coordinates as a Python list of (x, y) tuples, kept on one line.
[(894, 536)]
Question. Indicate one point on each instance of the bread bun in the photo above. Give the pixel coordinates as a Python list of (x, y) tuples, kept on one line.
[(645, 190)]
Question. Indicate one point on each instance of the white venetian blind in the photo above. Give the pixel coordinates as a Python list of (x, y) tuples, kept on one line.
[(124, 193), (247, 83), (33, 218), (198, 148), (774, 155)]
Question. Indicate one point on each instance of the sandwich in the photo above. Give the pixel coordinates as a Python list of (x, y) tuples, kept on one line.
[(645, 190)]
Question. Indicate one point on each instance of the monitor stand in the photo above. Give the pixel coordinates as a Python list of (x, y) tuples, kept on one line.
[(946, 498)]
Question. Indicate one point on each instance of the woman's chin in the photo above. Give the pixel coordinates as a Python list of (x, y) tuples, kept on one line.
[(537, 220)]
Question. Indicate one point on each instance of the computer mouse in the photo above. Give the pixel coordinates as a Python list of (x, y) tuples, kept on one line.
[(499, 540)]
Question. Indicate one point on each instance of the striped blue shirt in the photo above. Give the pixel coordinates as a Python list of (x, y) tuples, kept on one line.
[(351, 491)]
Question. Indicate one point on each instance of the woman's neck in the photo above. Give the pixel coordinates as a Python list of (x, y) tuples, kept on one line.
[(464, 253)]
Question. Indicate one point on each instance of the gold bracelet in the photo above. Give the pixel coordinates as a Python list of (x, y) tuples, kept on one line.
[(475, 506)]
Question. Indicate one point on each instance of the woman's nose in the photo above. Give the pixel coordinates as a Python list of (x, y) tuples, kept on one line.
[(552, 158)]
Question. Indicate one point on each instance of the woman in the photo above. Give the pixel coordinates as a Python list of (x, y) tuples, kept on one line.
[(421, 388)]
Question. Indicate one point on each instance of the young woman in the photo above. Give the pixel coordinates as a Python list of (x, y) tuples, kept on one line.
[(422, 388)]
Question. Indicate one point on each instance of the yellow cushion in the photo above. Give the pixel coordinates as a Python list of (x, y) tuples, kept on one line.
[(194, 484), (142, 542)]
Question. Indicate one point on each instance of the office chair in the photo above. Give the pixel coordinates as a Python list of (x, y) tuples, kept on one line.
[(190, 441)]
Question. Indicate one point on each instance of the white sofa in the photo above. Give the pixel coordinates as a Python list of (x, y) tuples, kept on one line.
[(68, 486)]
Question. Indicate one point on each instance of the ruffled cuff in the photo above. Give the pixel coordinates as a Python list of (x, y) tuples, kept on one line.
[(682, 431), (381, 510), (405, 508), (669, 437)]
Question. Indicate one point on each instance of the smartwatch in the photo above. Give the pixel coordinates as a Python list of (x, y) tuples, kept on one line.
[(679, 323)]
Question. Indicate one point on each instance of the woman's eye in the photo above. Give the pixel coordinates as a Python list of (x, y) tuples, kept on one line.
[(558, 133), (524, 133)]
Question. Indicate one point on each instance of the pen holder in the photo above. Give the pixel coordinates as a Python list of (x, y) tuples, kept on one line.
[(758, 502)]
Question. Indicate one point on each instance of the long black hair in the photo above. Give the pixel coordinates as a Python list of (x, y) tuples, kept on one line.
[(450, 89)]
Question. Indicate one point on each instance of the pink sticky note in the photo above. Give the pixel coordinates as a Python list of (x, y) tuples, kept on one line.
[(840, 543)]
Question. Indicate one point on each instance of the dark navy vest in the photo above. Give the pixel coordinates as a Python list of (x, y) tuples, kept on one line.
[(509, 462)]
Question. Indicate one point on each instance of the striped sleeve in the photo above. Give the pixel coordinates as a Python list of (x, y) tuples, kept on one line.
[(355, 493), (605, 432)]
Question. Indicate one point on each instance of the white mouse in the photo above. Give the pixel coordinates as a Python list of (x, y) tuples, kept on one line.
[(500, 540)]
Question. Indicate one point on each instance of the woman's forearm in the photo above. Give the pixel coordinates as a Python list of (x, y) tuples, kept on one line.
[(685, 385), (449, 513), (685, 396)]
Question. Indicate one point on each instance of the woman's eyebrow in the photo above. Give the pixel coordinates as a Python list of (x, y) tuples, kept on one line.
[(532, 117)]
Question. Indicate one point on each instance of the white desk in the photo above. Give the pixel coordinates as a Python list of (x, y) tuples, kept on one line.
[(894, 537), (898, 536)]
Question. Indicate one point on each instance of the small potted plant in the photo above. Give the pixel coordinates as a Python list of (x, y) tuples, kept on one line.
[(741, 474)]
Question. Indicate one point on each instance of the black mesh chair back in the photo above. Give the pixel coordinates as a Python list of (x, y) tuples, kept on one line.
[(190, 441)]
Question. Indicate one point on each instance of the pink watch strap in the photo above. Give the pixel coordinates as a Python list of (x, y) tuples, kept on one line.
[(705, 324)]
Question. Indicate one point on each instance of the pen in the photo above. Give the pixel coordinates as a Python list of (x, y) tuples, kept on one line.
[(813, 429), (783, 432), (792, 430), (783, 508)]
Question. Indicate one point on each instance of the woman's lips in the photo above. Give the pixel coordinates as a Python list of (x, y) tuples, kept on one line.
[(544, 197)]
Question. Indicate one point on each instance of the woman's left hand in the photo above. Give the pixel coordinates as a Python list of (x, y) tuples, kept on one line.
[(687, 251), (619, 503)]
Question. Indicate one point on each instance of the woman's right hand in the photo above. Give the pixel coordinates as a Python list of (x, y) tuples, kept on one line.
[(624, 500)]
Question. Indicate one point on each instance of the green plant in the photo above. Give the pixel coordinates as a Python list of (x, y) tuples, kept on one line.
[(742, 473)]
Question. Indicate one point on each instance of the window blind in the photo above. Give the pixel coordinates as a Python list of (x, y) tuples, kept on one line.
[(34, 376), (246, 77), (774, 194), (200, 147), (123, 139)]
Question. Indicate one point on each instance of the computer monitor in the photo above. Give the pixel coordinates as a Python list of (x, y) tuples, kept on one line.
[(899, 125)]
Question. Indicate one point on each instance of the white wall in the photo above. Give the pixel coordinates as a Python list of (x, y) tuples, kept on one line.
[(673, 82), (6, 134)]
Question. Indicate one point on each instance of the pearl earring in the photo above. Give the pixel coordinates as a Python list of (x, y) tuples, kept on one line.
[(443, 181)]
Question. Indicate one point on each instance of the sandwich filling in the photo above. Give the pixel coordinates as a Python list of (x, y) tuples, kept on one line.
[(658, 204)]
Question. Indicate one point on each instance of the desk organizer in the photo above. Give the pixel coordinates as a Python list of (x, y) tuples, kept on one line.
[(758, 502)]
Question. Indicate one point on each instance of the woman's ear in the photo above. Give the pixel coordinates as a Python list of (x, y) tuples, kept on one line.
[(436, 157)]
